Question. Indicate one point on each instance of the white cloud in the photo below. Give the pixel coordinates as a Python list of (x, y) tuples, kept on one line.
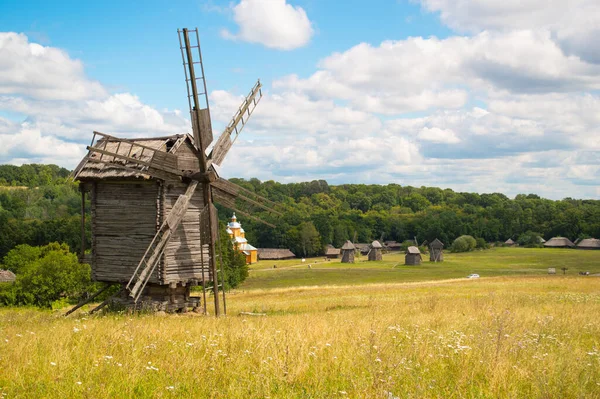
[(437, 135), (272, 23), (574, 24), (61, 106), (35, 71), (420, 74)]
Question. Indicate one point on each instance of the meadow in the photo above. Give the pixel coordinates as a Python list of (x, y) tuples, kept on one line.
[(524, 334)]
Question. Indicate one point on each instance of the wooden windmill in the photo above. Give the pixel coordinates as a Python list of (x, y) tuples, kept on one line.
[(154, 223)]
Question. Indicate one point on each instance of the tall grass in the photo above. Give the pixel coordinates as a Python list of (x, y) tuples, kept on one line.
[(533, 337)]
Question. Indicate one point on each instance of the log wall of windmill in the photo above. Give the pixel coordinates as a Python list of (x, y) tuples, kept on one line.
[(124, 222), (436, 255), (184, 258), (347, 256), (375, 254)]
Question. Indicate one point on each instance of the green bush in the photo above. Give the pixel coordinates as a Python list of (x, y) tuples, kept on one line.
[(44, 275), (463, 244), (481, 243)]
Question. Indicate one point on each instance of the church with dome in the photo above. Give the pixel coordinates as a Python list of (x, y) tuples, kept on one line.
[(238, 238)]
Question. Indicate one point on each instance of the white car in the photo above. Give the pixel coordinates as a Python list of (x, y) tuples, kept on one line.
[(473, 275)]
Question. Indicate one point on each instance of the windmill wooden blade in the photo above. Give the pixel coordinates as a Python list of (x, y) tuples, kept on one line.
[(133, 156), (228, 201), (197, 100), (239, 192), (236, 125)]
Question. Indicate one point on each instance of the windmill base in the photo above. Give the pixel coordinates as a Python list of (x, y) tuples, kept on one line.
[(161, 298)]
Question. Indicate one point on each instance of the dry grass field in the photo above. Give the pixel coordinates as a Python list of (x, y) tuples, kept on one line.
[(497, 337)]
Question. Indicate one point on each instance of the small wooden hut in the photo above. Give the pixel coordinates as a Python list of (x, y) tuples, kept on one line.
[(436, 253), (275, 254), (6, 276), (348, 252), (413, 256), (375, 251), (331, 252), (559, 242), (589, 243), (510, 243)]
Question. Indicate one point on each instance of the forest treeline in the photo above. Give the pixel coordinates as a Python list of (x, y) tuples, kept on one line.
[(314, 214)]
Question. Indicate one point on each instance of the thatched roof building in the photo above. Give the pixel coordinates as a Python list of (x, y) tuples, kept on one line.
[(436, 253), (393, 246), (559, 242), (589, 243), (331, 252), (375, 251), (348, 252), (363, 248), (510, 242), (275, 254), (6, 276), (413, 256)]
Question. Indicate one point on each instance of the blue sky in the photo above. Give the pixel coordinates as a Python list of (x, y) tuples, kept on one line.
[(485, 96)]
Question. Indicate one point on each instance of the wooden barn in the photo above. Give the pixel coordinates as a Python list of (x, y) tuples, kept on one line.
[(559, 242), (393, 246), (413, 256), (436, 251), (127, 209), (331, 252), (375, 251), (348, 252), (6, 276), (589, 243), (275, 254)]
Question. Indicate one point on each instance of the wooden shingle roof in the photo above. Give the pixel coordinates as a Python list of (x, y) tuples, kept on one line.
[(348, 245), (275, 253), (6, 276)]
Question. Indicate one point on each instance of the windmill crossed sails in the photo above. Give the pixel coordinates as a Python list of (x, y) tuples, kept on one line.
[(127, 154)]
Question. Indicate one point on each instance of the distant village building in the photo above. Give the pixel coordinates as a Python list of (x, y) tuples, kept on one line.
[(348, 252), (589, 243), (393, 246), (510, 243), (436, 253), (559, 242), (363, 248), (275, 254), (375, 251), (6, 276), (331, 252), (413, 256), (238, 238)]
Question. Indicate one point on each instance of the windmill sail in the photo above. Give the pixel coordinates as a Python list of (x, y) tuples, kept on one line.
[(235, 126)]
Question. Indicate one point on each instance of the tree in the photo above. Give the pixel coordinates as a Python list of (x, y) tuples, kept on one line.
[(55, 274), (463, 243), (234, 262)]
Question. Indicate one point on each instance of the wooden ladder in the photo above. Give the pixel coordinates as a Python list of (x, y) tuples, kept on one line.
[(153, 253)]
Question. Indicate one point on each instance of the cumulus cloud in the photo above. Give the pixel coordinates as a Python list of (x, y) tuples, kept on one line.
[(272, 23), (59, 106), (574, 24), (36, 71), (419, 74)]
